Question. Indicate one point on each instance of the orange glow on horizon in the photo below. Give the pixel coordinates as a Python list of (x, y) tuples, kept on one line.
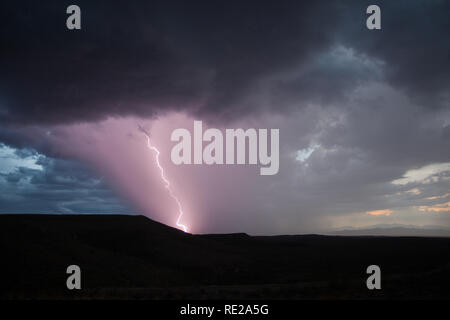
[(384, 212), (440, 207)]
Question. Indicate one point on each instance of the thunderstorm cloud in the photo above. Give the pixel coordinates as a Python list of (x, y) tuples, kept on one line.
[(364, 115)]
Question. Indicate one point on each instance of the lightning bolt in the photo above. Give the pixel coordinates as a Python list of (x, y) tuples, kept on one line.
[(164, 179)]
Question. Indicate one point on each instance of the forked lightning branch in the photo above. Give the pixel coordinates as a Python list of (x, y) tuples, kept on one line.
[(213, 152)]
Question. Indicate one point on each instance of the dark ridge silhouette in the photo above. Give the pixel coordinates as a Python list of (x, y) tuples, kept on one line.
[(133, 257)]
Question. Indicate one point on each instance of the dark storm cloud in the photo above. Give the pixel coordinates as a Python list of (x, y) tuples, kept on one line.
[(206, 57), (413, 42), (118, 64)]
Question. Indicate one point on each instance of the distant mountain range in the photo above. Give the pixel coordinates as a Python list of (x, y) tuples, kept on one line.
[(398, 230)]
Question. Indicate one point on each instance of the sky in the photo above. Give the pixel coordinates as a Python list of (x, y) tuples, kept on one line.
[(364, 115)]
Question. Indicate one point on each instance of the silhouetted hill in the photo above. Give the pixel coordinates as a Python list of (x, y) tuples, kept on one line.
[(134, 257)]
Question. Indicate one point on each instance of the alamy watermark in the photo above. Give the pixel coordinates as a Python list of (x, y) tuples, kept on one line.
[(260, 150), (74, 280)]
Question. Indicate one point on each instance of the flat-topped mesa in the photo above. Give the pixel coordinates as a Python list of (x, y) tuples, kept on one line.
[(236, 141)]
